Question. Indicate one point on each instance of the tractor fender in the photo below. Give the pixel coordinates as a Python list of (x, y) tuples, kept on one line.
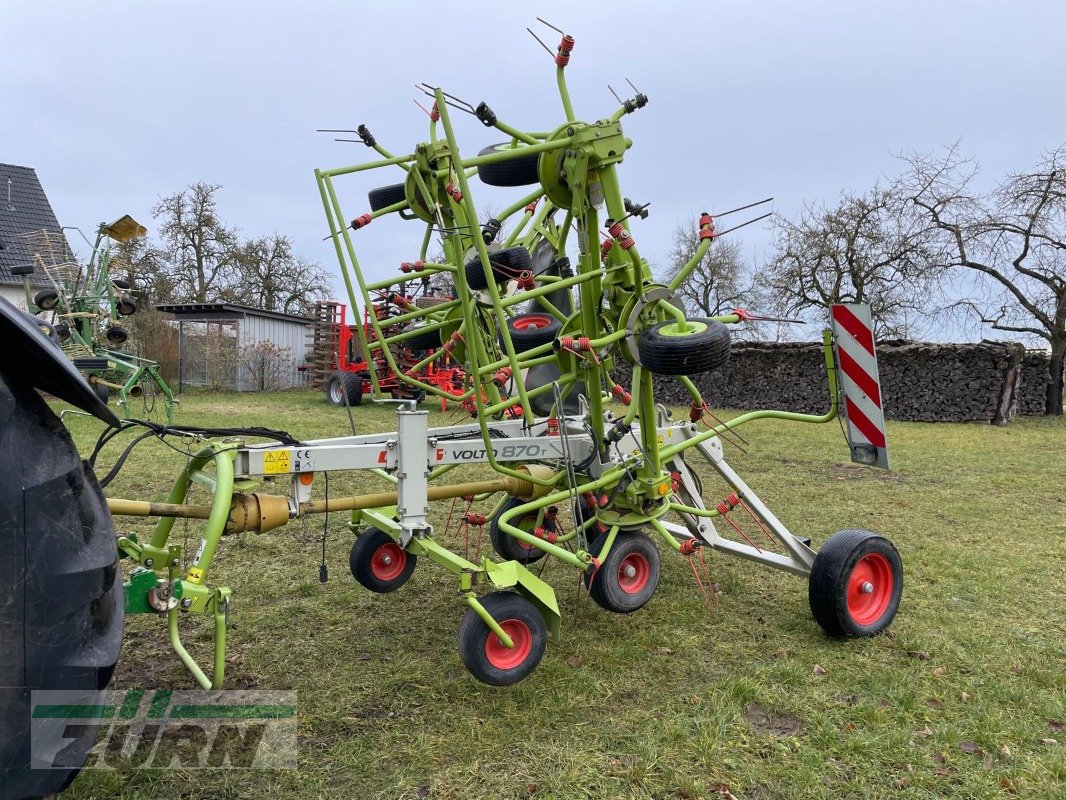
[(32, 357)]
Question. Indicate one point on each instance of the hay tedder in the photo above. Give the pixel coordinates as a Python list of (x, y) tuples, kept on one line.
[(563, 336), (88, 305)]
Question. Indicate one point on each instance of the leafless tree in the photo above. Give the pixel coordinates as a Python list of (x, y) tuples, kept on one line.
[(720, 282), (869, 248), (199, 250), (272, 277), (1013, 238)]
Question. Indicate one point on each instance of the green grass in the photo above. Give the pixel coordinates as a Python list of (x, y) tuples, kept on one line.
[(675, 700)]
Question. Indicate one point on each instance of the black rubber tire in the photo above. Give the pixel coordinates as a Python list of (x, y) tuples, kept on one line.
[(61, 598), (122, 284), (506, 264), (693, 354), (102, 392), (385, 196), (508, 547), (515, 614), (532, 330), (126, 306), (367, 561), (62, 330), (520, 171), (831, 577), (631, 549), (116, 334), (426, 340), (46, 299), (343, 383)]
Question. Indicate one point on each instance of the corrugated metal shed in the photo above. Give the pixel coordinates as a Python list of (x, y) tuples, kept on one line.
[(239, 347)]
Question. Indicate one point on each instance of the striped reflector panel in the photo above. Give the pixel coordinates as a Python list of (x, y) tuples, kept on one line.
[(856, 355)]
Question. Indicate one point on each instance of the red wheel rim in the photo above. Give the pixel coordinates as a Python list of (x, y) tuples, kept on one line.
[(508, 658), (633, 573), (388, 562), (870, 589), (531, 322)]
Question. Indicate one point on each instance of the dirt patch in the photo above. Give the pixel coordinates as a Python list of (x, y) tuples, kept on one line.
[(856, 472), (766, 722)]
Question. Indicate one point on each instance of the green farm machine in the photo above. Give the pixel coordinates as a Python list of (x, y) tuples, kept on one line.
[(564, 337), (89, 305)]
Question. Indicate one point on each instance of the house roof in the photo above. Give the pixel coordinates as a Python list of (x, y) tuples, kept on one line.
[(199, 309), (24, 208)]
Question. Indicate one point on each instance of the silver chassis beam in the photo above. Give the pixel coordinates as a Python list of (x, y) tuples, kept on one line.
[(414, 449)]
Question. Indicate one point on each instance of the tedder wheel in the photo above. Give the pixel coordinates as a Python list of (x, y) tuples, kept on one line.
[(378, 562), (484, 654), (61, 598), (506, 265), (342, 383), (520, 171), (665, 350), (126, 306), (629, 575), (532, 330), (124, 285), (426, 340), (46, 299), (62, 330), (102, 392), (855, 584), (116, 334), (385, 196), (508, 547)]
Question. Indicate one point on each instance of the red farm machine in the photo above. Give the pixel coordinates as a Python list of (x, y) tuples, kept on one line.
[(340, 368)]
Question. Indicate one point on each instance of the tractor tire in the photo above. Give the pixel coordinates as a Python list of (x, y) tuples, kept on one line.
[(341, 384), (61, 598), (46, 299), (484, 655), (666, 351), (628, 577), (856, 584), (532, 330), (385, 196), (506, 264), (426, 340), (519, 171)]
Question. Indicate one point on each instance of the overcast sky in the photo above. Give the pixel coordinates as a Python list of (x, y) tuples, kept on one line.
[(116, 103)]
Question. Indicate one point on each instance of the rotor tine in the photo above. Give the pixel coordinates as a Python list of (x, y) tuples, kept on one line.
[(545, 21), (334, 130), (423, 108), (741, 208), (631, 86), (546, 48), (616, 97), (743, 224)]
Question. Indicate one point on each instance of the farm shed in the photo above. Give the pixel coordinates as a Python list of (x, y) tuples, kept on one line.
[(229, 346)]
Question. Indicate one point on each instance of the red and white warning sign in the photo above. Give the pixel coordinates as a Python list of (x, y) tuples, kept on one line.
[(856, 355)]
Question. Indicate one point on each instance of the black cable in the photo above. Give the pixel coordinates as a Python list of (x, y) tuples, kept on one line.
[(323, 570)]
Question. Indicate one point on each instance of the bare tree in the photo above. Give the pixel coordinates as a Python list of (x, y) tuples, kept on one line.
[(272, 277), (198, 248), (720, 282), (1013, 238), (870, 248)]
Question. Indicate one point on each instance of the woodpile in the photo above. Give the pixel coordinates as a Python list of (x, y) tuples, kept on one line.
[(920, 381)]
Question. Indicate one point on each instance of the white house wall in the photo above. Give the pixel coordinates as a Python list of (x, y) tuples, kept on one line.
[(287, 334)]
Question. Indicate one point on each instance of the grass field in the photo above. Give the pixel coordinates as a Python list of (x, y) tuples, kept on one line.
[(964, 697)]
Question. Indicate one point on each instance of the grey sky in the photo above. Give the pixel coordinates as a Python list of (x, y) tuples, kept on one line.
[(116, 103)]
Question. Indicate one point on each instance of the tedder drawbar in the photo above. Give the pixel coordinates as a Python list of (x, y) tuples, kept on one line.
[(554, 305)]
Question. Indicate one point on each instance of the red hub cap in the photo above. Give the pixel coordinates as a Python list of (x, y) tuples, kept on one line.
[(388, 562), (531, 322), (508, 658), (633, 573), (870, 589)]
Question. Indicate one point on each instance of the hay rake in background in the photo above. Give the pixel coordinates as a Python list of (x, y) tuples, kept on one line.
[(88, 305), (538, 335)]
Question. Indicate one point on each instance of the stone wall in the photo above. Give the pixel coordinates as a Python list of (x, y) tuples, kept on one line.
[(988, 381)]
